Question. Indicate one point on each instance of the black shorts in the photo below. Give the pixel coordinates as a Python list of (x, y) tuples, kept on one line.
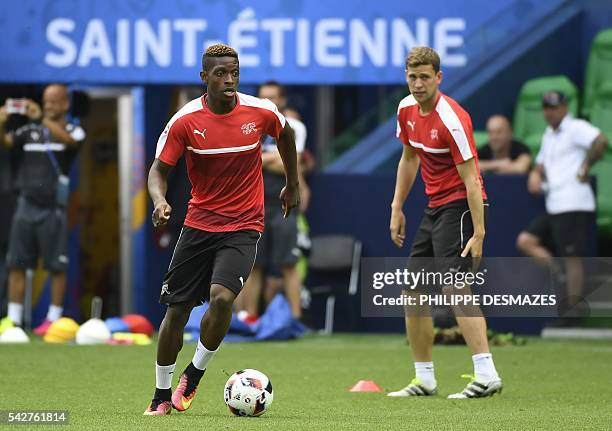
[(203, 258), (564, 234), (38, 232), (443, 234), (278, 246)]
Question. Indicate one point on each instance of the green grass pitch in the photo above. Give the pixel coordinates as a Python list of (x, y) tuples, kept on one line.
[(548, 385)]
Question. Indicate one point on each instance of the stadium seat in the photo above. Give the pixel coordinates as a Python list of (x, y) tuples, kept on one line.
[(601, 113), (481, 137), (599, 68), (603, 171), (601, 116), (533, 141), (333, 255), (529, 123)]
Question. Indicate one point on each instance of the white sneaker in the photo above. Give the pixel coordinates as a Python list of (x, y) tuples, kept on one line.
[(414, 389), (476, 389)]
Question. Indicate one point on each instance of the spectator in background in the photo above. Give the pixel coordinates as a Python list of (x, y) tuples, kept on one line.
[(570, 147), (39, 229), (503, 154), (278, 251), (6, 213)]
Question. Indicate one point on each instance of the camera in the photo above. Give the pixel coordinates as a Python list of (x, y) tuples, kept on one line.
[(16, 106)]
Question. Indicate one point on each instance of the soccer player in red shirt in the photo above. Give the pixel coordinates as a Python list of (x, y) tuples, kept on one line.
[(219, 135), (436, 131)]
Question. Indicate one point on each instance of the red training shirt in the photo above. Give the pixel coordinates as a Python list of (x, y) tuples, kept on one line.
[(442, 139), (223, 157)]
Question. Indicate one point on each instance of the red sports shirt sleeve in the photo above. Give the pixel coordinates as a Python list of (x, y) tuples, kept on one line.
[(459, 127), (171, 143), (400, 131), (274, 120)]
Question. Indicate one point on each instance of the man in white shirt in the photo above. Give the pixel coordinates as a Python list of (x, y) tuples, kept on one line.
[(277, 251), (570, 147)]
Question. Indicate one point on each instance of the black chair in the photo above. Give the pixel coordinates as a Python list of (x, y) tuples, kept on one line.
[(332, 256)]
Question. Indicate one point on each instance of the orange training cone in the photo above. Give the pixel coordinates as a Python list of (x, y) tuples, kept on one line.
[(365, 386)]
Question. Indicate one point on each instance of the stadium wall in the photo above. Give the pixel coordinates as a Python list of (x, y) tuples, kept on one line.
[(359, 205)]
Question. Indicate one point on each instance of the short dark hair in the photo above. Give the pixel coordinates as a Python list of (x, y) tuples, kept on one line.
[(217, 50), (276, 84), (423, 55)]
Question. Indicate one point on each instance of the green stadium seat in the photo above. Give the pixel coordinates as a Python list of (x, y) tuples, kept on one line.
[(601, 116), (481, 137), (603, 171), (529, 123), (534, 141), (599, 68), (601, 113)]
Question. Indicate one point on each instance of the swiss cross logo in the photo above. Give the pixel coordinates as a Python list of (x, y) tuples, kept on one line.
[(433, 134), (248, 128)]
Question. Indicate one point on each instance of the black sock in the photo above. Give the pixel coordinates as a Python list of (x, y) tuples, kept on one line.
[(163, 394), (194, 374)]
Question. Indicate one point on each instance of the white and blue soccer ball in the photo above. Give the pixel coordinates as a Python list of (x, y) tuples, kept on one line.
[(248, 393)]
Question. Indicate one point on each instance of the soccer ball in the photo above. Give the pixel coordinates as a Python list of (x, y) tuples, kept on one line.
[(248, 393)]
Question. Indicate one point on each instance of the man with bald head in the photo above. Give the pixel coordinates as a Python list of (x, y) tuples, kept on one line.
[(49, 144), (502, 154)]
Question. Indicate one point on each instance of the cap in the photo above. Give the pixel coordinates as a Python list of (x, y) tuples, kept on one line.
[(554, 98)]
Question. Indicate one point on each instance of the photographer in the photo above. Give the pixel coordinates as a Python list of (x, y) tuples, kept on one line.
[(6, 213), (49, 144)]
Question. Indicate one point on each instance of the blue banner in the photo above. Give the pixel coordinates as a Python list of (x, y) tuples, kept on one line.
[(298, 42)]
